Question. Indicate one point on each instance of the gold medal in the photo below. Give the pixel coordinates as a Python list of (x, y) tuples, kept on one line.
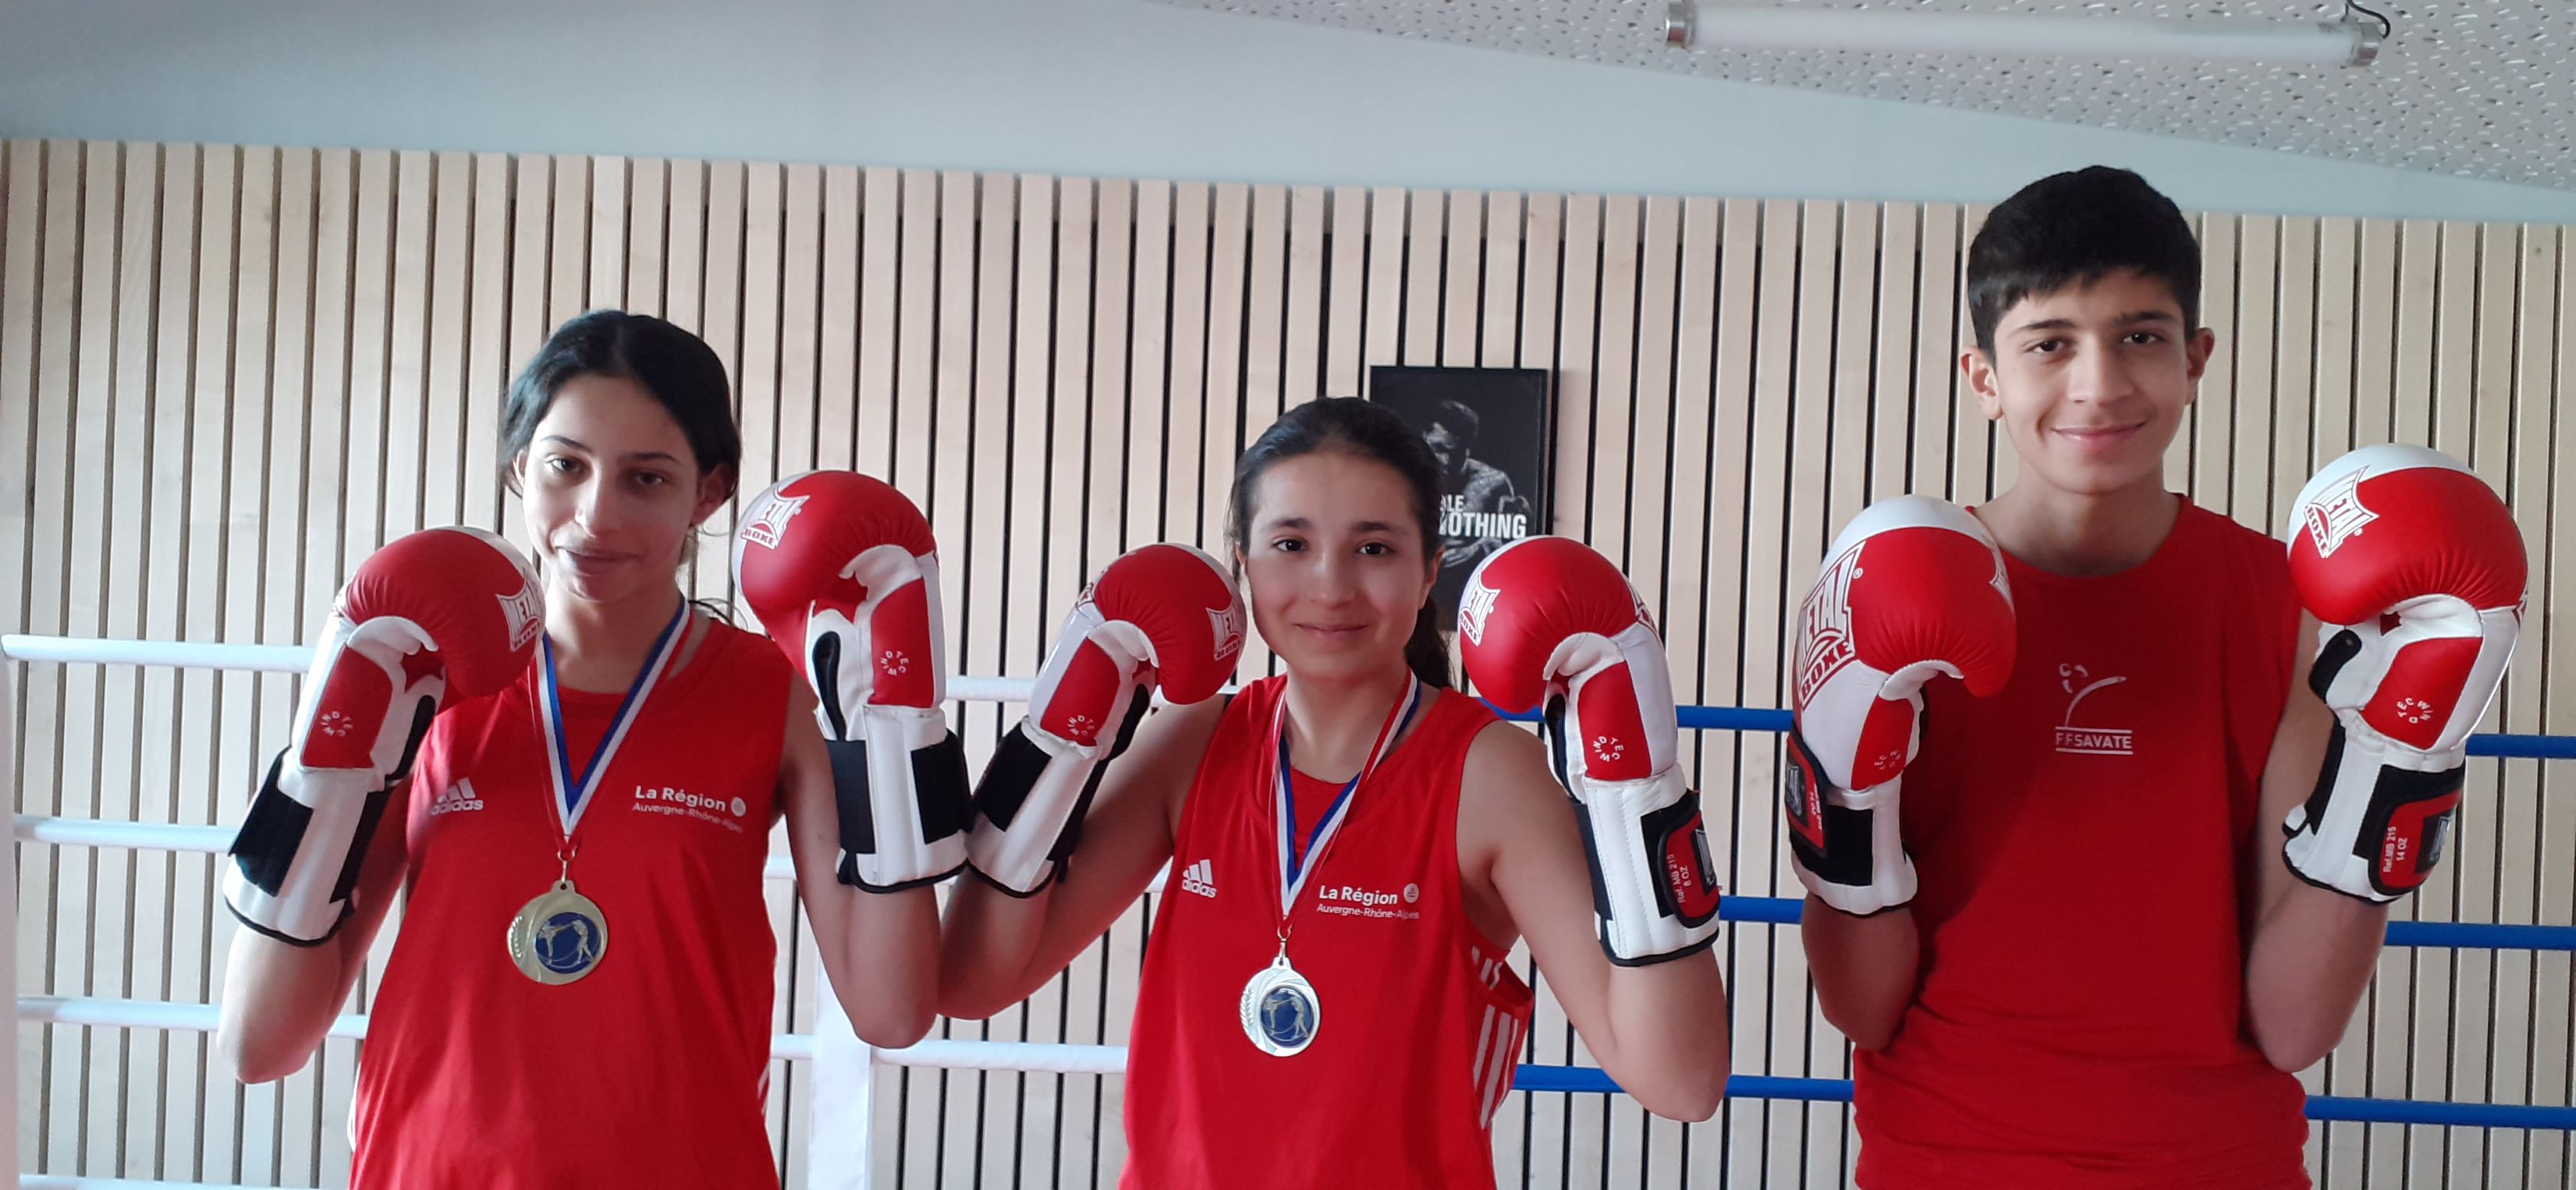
[(1281, 1013), (559, 936)]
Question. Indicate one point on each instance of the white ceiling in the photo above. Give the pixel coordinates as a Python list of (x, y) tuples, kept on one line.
[(2474, 88)]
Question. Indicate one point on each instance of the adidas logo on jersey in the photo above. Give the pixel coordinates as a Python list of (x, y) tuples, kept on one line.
[(1200, 878), (460, 796)]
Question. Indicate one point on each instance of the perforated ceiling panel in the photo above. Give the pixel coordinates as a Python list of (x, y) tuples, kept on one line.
[(2476, 88)]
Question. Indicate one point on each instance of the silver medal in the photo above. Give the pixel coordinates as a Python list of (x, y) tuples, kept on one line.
[(1280, 1011)]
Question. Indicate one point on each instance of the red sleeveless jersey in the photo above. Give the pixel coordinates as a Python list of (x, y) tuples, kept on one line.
[(1420, 1020), (650, 1070), (2086, 851)]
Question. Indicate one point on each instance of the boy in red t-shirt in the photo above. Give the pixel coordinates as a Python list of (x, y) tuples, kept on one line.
[(2096, 969)]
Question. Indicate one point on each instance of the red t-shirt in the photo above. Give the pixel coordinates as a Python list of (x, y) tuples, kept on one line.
[(2086, 848), (649, 1071), (1421, 1020)]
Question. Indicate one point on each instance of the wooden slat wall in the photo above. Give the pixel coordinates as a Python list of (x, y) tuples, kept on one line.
[(227, 373)]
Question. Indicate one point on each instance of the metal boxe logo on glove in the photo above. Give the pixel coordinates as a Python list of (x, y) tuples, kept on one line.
[(523, 612), (2338, 515), (1225, 625), (1825, 646), (768, 523), (1476, 603)]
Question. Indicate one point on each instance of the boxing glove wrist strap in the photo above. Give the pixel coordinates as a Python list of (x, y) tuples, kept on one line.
[(1031, 800), (901, 789), (1846, 848), (1654, 883), (2375, 826)]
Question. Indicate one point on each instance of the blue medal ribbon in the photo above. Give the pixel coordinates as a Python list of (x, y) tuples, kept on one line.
[(1298, 859), (572, 798)]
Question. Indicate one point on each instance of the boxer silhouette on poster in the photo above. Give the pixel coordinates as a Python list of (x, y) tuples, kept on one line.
[(1487, 429)]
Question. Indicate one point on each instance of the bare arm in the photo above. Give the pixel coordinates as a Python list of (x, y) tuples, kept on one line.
[(1659, 1029), (2312, 950), (996, 949), (880, 949), (280, 999), (1865, 969)]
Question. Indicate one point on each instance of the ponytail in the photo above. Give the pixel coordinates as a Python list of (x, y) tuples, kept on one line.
[(1426, 652)]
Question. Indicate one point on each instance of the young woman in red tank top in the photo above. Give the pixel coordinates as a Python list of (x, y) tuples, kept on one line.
[(580, 992), (1420, 839)]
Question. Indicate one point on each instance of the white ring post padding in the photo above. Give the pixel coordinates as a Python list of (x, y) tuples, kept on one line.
[(839, 1148), (9, 907)]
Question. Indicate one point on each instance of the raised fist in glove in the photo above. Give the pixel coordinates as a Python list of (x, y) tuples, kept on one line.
[(1912, 589)]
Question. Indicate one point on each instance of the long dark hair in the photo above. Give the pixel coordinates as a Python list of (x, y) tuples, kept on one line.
[(1358, 428)]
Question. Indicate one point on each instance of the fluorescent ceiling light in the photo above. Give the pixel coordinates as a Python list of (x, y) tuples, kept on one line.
[(1721, 25)]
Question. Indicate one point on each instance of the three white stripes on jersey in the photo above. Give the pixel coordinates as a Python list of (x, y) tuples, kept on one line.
[(1500, 1042)]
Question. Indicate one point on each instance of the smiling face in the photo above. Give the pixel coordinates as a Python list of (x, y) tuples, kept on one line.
[(2090, 382), (1334, 565), (612, 490)]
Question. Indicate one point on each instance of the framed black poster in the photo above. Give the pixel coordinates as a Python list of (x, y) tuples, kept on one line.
[(1487, 428)]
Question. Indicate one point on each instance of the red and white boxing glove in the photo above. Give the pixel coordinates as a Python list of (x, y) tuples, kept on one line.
[(432, 619), (842, 572), (1161, 616), (1547, 620), (2415, 570), (1912, 588)]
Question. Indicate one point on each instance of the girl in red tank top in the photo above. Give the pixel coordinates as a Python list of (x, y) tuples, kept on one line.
[(580, 992), (1353, 849)]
